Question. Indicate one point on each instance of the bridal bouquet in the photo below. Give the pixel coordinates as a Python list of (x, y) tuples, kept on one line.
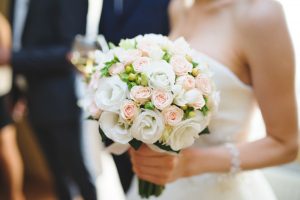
[(150, 90)]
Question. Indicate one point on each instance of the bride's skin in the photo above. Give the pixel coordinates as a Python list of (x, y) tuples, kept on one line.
[(251, 38)]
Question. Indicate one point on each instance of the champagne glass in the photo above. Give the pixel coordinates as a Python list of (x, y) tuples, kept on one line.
[(84, 50)]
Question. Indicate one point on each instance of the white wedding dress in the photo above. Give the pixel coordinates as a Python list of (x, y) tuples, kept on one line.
[(228, 125)]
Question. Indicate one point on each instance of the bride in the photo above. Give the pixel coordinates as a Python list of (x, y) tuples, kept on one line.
[(247, 45)]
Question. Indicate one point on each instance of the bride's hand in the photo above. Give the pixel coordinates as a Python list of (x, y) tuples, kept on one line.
[(158, 168)]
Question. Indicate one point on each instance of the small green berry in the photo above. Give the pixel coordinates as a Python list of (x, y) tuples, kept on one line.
[(185, 107), (129, 69), (192, 114), (144, 80), (138, 80), (195, 72), (132, 77)]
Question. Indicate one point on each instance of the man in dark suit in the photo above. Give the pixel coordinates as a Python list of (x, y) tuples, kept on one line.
[(40, 57), (126, 19)]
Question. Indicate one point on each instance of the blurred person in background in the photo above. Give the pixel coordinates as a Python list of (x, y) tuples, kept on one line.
[(43, 31), (10, 158), (127, 19)]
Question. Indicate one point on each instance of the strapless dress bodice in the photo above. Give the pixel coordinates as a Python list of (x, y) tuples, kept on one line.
[(232, 120)]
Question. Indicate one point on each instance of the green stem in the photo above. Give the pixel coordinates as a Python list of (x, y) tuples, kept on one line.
[(148, 189)]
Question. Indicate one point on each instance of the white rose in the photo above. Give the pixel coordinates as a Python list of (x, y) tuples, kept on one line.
[(193, 97), (180, 65), (93, 84), (101, 58), (180, 99), (148, 126), (127, 43), (160, 75), (213, 102), (149, 48), (187, 131), (181, 47), (88, 104), (111, 93), (163, 41), (127, 56), (114, 127), (94, 111)]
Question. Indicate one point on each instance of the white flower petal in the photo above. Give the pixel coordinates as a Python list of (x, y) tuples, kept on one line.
[(111, 93), (114, 128), (148, 126)]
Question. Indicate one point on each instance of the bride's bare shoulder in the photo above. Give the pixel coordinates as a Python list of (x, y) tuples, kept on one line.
[(176, 10), (258, 15)]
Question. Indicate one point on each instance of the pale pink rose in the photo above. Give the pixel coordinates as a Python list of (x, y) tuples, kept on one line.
[(203, 83), (93, 84), (116, 69), (129, 110), (172, 115), (187, 82), (161, 99), (94, 111), (145, 46), (140, 94), (130, 56), (139, 63), (150, 49), (180, 65)]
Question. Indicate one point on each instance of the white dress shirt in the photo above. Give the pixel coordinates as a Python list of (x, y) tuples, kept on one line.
[(19, 19)]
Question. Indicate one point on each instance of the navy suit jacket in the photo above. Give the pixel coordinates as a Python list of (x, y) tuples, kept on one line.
[(138, 17), (50, 28)]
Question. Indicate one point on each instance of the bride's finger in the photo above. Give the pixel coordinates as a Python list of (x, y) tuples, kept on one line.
[(144, 150), (163, 162), (153, 171)]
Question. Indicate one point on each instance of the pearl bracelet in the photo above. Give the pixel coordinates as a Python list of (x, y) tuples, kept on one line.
[(235, 159)]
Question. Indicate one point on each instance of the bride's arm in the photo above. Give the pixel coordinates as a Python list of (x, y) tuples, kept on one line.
[(267, 47), (5, 41)]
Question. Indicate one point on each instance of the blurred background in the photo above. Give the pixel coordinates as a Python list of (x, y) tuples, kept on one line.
[(285, 180)]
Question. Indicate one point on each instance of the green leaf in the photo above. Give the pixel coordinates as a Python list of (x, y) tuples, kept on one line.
[(194, 64), (187, 111), (127, 44), (205, 131), (105, 69), (166, 57), (165, 147), (124, 77), (91, 118), (204, 110), (131, 84), (111, 45), (136, 144), (103, 136), (149, 105)]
